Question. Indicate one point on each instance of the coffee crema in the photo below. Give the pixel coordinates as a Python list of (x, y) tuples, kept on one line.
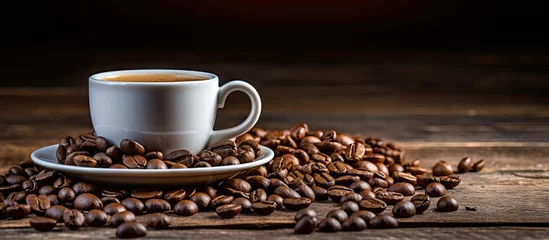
[(160, 77)]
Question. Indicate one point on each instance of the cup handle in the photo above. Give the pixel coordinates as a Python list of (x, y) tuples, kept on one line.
[(245, 126)]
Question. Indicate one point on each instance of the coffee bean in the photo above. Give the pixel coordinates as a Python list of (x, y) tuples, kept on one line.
[(38, 204), (96, 218), (134, 161), (367, 193), (447, 204), (243, 137), (258, 195), (354, 224), (435, 190), (18, 197), (264, 208), (307, 212), (182, 156), (62, 182), (158, 221), (146, 193), (154, 155), (224, 148), (337, 192), (115, 154), (87, 201), (130, 147), (417, 170), (84, 161), (305, 225), (442, 168), (306, 191), (372, 204), (374, 158), (286, 192), (246, 154), (391, 198), (47, 190), (201, 164), (82, 187), (382, 221), (15, 179), (465, 165), (210, 157), (56, 212), (42, 223), (330, 225), (346, 180), (31, 171), (338, 214), (421, 202), (117, 193), (230, 160), (156, 164), (131, 230), (185, 208), (350, 207), (404, 177), (120, 218), (113, 208), (299, 131), (403, 188), (404, 209), (450, 182), (395, 168), (365, 215), (320, 193), (258, 182), (378, 182), (61, 154), (54, 200), (29, 186), (478, 166), (212, 192), (237, 184), (66, 194), (355, 151), (157, 205), (221, 200), (108, 200), (228, 210), (69, 159), (354, 197), (321, 158), (133, 205), (85, 142), (201, 199), (276, 199), (73, 219), (18, 211), (296, 204), (102, 144), (175, 196), (423, 181)]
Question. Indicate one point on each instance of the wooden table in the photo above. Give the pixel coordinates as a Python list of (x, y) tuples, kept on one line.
[(510, 131)]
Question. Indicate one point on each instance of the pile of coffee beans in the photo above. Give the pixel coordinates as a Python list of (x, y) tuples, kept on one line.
[(363, 175), (89, 150)]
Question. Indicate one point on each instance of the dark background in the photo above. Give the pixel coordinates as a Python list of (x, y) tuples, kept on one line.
[(412, 46)]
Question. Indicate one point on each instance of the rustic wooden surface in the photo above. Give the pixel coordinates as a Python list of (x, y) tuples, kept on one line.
[(511, 132)]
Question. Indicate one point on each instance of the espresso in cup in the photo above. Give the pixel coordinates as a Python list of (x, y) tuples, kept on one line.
[(161, 77)]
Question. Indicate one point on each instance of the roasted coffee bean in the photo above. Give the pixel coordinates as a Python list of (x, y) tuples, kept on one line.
[(31, 171), (417, 170), (257, 195), (130, 147), (450, 181), (367, 193), (108, 200), (29, 186), (84, 161), (158, 205), (321, 158), (133, 205), (158, 221), (324, 180), (69, 160), (421, 202), (115, 154), (10, 188), (182, 156), (156, 164), (83, 187), (395, 168), (134, 161), (360, 186), (390, 180), (176, 166), (224, 148), (114, 193), (423, 181), (350, 207), (307, 212), (346, 180), (404, 177), (42, 223), (338, 214), (447, 204), (306, 191), (365, 215), (243, 137), (337, 192), (146, 193), (245, 154), (47, 190), (404, 209), (228, 210), (264, 208), (85, 142), (372, 204), (212, 192), (131, 230), (382, 221), (61, 154), (305, 225), (378, 182), (443, 168), (185, 208), (354, 224), (246, 204), (238, 185), (354, 197), (391, 198), (330, 225), (299, 131), (113, 208), (382, 168), (296, 204), (102, 144), (286, 192), (230, 160), (222, 200), (465, 165), (374, 158), (403, 188), (337, 168), (38, 204), (54, 200), (62, 182), (73, 219), (201, 199), (87, 201), (355, 151), (17, 211), (435, 190), (478, 165), (17, 171), (175, 196), (96, 218), (120, 218), (154, 155), (210, 157), (320, 193), (18, 197), (365, 165), (66, 194), (56, 212), (258, 182), (363, 174), (15, 179)]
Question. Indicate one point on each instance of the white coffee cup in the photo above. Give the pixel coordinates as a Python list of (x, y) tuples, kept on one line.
[(165, 116)]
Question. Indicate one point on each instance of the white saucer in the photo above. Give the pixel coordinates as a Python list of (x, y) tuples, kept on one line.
[(46, 157)]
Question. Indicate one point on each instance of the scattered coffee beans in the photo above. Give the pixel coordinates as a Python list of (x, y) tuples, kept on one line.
[(158, 221), (421, 202), (330, 225), (73, 219), (96, 218), (447, 204), (42, 223), (131, 230), (305, 225), (229, 210), (435, 190), (383, 221)]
